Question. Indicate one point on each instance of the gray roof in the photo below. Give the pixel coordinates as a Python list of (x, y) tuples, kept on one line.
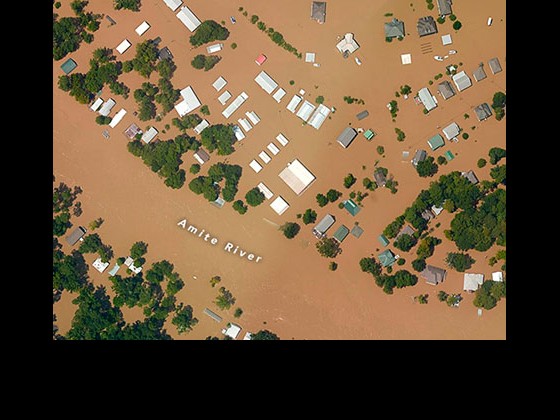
[(380, 178), (452, 130), (75, 235), (479, 74), (427, 215), (319, 11), (495, 65), (433, 275), (325, 223), (483, 111), (165, 54), (357, 231), (470, 176), (407, 230), (419, 156), (202, 154), (462, 81), (445, 89), (341, 233), (362, 115), (426, 26), (394, 29), (444, 7), (347, 136)]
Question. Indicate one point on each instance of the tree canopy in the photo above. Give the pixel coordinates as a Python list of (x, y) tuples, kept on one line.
[(290, 229), (459, 261), (405, 242), (208, 31), (496, 154), (427, 167), (133, 5), (328, 247), (184, 319), (254, 197), (310, 216), (220, 137), (264, 335)]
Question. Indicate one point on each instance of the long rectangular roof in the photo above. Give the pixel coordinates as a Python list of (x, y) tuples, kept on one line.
[(279, 94), (306, 110), (462, 81), (219, 83), (436, 142), (224, 97), (319, 11), (142, 28), (319, 116), (279, 205), (294, 102), (123, 46), (188, 18), (253, 117), (451, 131), (95, 106), (265, 190), (149, 135), (117, 118), (245, 124), (107, 107), (495, 66), (325, 223), (75, 235), (427, 99), (237, 102), (266, 82), (347, 136), (282, 139), (173, 4), (297, 176), (201, 126)]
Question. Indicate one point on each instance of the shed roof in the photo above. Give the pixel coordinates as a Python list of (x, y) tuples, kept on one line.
[(279, 205), (149, 135), (380, 178), (347, 136), (444, 7), (406, 230), (383, 240), (68, 66), (201, 156), (479, 74), (427, 99), (75, 235), (219, 83), (470, 175), (436, 142), (495, 66), (462, 81), (357, 231), (351, 207), (325, 223), (341, 233), (394, 29), (165, 54), (173, 4)]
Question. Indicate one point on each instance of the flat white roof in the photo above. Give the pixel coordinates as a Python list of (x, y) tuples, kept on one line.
[(253, 117), (264, 156), (142, 28), (348, 43), (452, 130), (173, 4), (117, 118), (406, 58), (255, 166), (279, 205), (233, 331), (149, 135), (471, 282), (238, 133), (100, 266), (128, 261), (306, 110), (123, 46), (214, 48), (297, 176), (279, 94), (188, 18), (446, 39), (264, 189), (427, 99), (224, 97), (282, 139), (200, 127), (496, 276), (135, 269), (294, 102), (319, 116), (266, 82), (247, 336), (309, 57), (219, 83), (95, 106), (107, 107), (190, 102), (237, 102), (245, 124), (273, 149), (462, 81)]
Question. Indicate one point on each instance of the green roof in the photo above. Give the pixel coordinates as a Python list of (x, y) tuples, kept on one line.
[(383, 240), (369, 134), (436, 142), (357, 231), (449, 156), (68, 66), (352, 207), (341, 233), (386, 258)]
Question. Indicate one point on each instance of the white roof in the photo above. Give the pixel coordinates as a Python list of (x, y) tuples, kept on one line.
[(123, 46), (188, 18), (253, 117), (348, 43), (173, 4), (471, 281), (214, 48), (117, 118), (279, 205), (245, 124), (238, 133), (149, 135), (273, 149), (247, 336), (107, 107), (461, 80), (279, 94), (452, 130), (437, 210), (203, 124), (219, 83), (265, 158), (100, 266), (309, 57), (201, 156), (406, 58), (319, 116), (294, 102), (282, 139), (266, 82), (446, 39), (297, 176), (264, 189), (306, 110), (232, 331), (224, 97), (135, 269), (128, 261), (427, 99), (190, 102), (496, 276), (255, 166), (143, 27), (96, 104), (237, 102)]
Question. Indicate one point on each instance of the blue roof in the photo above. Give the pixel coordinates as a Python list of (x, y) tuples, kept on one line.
[(386, 258), (351, 207), (383, 240)]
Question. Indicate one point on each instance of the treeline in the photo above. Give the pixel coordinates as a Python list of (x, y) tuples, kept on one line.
[(69, 32), (276, 36), (64, 202), (209, 186)]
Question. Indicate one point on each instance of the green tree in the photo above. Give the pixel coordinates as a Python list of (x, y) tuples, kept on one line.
[(405, 242), (442, 296), (380, 150), (404, 278), (400, 134), (499, 100), (78, 6), (225, 299), (349, 180), (254, 197), (101, 120), (394, 227), (369, 265), (146, 57), (457, 25), (290, 229), (322, 200), (138, 250), (61, 223), (208, 31), (498, 173), (69, 271), (215, 280), (204, 109), (422, 299), (184, 319), (419, 264), (483, 298), (240, 207), (133, 5), (481, 163), (194, 169), (319, 99), (309, 216), (427, 167), (264, 335), (496, 154), (459, 261), (328, 247), (219, 137), (333, 195), (238, 312)]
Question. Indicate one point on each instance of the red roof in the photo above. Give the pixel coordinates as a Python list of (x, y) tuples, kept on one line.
[(260, 59)]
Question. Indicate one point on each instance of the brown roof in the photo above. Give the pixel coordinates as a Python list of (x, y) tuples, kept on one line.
[(380, 179), (406, 230), (433, 275), (319, 11)]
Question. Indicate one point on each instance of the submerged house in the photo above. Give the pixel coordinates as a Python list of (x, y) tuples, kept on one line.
[(394, 29), (479, 74), (386, 258), (495, 65), (446, 90), (380, 178), (470, 176), (427, 99), (483, 111), (426, 26), (319, 11), (444, 7), (351, 207), (346, 137), (341, 233), (419, 156), (436, 142), (433, 275), (321, 228), (347, 45)]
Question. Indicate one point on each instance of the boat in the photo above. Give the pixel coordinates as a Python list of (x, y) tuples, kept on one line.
[(489, 23), (358, 62), (232, 19), (438, 58), (451, 52)]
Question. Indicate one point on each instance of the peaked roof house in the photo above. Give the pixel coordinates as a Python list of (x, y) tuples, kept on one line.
[(386, 258), (433, 275), (319, 11), (346, 137), (427, 99), (419, 156), (380, 178), (201, 156), (351, 207), (436, 142), (451, 131), (407, 230), (347, 45), (483, 111), (479, 74), (76, 235), (470, 176), (444, 7), (495, 65), (394, 29), (165, 54), (426, 26), (341, 233), (321, 228), (462, 81), (445, 89), (471, 282)]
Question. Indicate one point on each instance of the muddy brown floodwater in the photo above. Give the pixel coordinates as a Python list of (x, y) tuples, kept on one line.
[(291, 291)]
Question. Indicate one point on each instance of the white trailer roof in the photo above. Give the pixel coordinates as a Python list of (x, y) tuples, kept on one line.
[(255, 166), (219, 83), (265, 158), (306, 110), (190, 101), (173, 4), (264, 189), (427, 99), (203, 124), (107, 107), (224, 97), (451, 131), (149, 135), (238, 133), (245, 124), (237, 102), (142, 28), (123, 46), (297, 176), (472, 281), (188, 18), (282, 139), (253, 117), (273, 149), (279, 94), (95, 106), (99, 265), (266, 82), (279, 205), (214, 48), (294, 102), (319, 116), (117, 118)]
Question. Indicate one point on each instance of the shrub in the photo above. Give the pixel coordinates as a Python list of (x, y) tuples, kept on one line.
[(349, 180), (333, 266), (254, 197), (319, 99), (233, 46), (441, 160), (290, 229), (254, 19), (321, 200), (309, 216), (380, 150), (465, 136), (481, 163), (401, 261), (400, 134), (292, 82), (419, 264), (452, 18), (333, 195), (204, 109), (457, 25), (194, 169)]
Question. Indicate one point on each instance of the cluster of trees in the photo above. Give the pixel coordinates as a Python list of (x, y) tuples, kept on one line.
[(276, 37), (328, 247), (69, 271), (209, 185), (331, 196), (254, 197), (92, 243), (369, 184), (146, 57), (225, 299), (351, 100), (187, 121), (69, 32), (427, 168), (459, 261), (400, 279), (167, 95), (400, 134), (450, 299), (240, 207), (145, 97), (310, 216), (405, 242), (499, 104), (137, 252), (208, 31), (496, 154), (489, 294), (164, 157), (64, 201), (393, 108), (349, 180), (290, 229), (133, 5), (219, 137), (206, 62), (184, 319), (101, 120), (264, 335)]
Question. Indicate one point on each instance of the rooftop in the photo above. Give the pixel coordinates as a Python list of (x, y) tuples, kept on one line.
[(470, 176), (386, 258), (471, 281), (394, 29), (232, 331), (495, 65), (383, 240), (462, 81), (433, 275), (444, 7), (319, 11), (347, 136), (436, 142), (380, 178), (419, 156), (426, 26), (446, 90), (68, 66), (351, 207), (451, 131), (427, 99), (357, 231), (483, 111), (341, 233), (297, 176), (347, 44), (479, 74)]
